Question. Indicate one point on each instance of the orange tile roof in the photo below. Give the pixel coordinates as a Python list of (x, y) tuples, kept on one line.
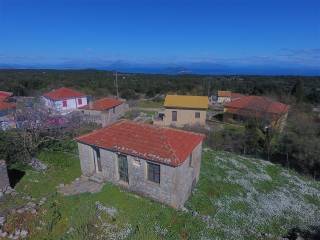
[(224, 93), (235, 96), (230, 94), (7, 105), (4, 95), (63, 93), (103, 104), (257, 106), (163, 145)]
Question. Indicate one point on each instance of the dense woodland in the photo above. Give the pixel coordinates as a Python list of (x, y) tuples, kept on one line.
[(297, 146), (101, 83)]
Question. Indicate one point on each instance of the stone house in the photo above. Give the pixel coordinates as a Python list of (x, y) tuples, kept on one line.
[(269, 112), (104, 111), (64, 100), (183, 110), (158, 162)]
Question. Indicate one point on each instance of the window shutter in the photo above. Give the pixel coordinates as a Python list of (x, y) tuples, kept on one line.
[(64, 103)]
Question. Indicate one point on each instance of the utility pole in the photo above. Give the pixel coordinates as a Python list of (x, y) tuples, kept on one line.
[(116, 84)]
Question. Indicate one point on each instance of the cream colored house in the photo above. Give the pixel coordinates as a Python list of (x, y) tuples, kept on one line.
[(180, 110)]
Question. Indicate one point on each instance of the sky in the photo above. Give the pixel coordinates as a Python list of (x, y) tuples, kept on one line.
[(228, 32)]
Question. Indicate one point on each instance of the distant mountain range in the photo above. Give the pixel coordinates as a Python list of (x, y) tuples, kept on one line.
[(182, 68)]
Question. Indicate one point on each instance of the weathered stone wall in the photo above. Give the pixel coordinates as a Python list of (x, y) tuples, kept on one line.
[(4, 179), (138, 182), (196, 160), (86, 159), (175, 182), (107, 117), (187, 175)]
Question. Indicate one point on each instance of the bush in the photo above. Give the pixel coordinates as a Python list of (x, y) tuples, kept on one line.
[(230, 138), (11, 147)]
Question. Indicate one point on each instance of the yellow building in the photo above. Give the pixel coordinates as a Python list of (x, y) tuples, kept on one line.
[(180, 110)]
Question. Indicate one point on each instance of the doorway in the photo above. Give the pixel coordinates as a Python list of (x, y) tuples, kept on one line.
[(123, 168), (97, 160)]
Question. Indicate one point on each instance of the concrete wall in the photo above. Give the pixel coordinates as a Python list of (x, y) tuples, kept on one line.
[(175, 182), (72, 104), (106, 117), (4, 179), (224, 99), (184, 117)]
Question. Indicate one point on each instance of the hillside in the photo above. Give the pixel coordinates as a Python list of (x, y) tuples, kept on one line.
[(236, 198), (245, 197)]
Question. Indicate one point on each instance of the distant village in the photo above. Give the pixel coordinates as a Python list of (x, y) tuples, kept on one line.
[(156, 157)]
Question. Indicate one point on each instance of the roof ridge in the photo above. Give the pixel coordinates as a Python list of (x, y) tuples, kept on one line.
[(185, 131), (100, 129)]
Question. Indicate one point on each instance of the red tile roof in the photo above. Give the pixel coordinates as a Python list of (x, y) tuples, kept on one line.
[(63, 93), (256, 106), (103, 104), (230, 94), (235, 96), (7, 105), (163, 145), (4, 95), (224, 93)]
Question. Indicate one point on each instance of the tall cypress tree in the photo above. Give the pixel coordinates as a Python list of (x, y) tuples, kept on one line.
[(298, 91)]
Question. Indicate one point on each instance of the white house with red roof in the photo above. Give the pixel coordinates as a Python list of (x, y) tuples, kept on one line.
[(7, 111), (65, 100), (104, 111), (4, 96), (158, 162)]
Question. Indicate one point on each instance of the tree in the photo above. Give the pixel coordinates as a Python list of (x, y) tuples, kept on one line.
[(253, 137), (11, 147), (286, 146), (298, 91), (299, 143), (270, 141)]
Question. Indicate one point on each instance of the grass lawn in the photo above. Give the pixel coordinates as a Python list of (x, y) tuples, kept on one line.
[(236, 198), (150, 104)]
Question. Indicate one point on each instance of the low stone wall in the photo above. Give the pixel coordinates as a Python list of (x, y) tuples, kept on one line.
[(4, 179)]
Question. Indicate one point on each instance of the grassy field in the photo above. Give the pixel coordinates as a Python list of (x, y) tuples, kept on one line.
[(236, 198), (150, 104)]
